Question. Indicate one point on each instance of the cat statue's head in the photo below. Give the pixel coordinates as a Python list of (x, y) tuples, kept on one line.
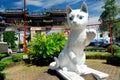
[(78, 18)]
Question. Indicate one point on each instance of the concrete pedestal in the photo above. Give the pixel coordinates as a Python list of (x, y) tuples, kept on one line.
[(90, 74)]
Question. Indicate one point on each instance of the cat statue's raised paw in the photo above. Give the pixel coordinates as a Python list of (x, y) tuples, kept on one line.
[(72, 57)]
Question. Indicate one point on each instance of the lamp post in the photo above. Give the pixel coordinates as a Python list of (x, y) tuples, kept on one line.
[(25, 26)]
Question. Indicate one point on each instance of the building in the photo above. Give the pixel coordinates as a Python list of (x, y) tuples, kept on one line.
[(37, 22), (48, 18)]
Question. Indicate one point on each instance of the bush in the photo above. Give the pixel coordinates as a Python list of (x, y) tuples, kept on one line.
[(116, 49), (114, 60), (7, 61), (43, 48), (2, 56), (2, 66), (17, 57), (2, 76)]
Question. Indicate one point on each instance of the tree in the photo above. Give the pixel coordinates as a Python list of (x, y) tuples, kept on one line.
[(10, 38), (116, 31), (111, 10)]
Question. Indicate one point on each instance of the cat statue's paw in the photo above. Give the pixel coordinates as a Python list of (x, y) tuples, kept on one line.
[(80, 69), (91, 34)]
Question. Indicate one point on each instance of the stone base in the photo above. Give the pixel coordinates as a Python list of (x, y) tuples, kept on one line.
[(67, 75), (90, 74), (89, 77), (98, 74)]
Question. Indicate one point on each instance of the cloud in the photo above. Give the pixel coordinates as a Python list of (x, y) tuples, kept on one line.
[(45, 3), (70, 2), (93, 20), (2, 8), (34, 2), (96, 7)]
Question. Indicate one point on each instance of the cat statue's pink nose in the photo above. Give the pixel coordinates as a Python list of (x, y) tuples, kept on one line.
[(74, 22)]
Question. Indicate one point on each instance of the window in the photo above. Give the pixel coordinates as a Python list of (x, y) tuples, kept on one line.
[(101, 35)]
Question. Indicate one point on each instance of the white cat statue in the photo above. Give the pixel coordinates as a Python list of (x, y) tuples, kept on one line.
[(72, 57)]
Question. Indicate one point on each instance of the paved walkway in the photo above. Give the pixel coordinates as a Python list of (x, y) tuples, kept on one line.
[(23, 72), (113, 71)]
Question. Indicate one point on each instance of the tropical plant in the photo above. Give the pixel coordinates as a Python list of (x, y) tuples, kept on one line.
[(44, 47)]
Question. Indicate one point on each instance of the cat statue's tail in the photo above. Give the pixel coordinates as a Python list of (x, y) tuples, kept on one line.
[(54, 65)]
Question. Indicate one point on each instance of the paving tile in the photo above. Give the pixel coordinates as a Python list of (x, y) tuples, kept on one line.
[(23, 72)]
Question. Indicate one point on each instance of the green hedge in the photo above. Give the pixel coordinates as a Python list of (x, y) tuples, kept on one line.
[(95, 49), (97, 55)]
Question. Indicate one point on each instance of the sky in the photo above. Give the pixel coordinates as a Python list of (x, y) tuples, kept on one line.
[(94, 6)]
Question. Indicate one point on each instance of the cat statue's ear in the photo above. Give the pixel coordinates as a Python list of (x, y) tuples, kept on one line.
[(68, 9), (84, 7)]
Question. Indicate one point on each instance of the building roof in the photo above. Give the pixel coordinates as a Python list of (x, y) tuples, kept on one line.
[(39, 15)]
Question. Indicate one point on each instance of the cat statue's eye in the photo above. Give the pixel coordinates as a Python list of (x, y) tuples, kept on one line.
[(71, 18), (80, 17)]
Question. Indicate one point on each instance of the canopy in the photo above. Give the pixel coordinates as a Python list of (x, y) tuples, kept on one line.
[(99, 40)]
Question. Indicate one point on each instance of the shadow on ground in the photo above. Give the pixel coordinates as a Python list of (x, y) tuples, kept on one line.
[(54, 73)]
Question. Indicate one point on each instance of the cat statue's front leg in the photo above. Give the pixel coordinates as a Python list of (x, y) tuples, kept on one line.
[(76, 67)]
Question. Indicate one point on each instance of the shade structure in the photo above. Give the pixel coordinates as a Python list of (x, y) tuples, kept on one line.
[(99, 40)]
